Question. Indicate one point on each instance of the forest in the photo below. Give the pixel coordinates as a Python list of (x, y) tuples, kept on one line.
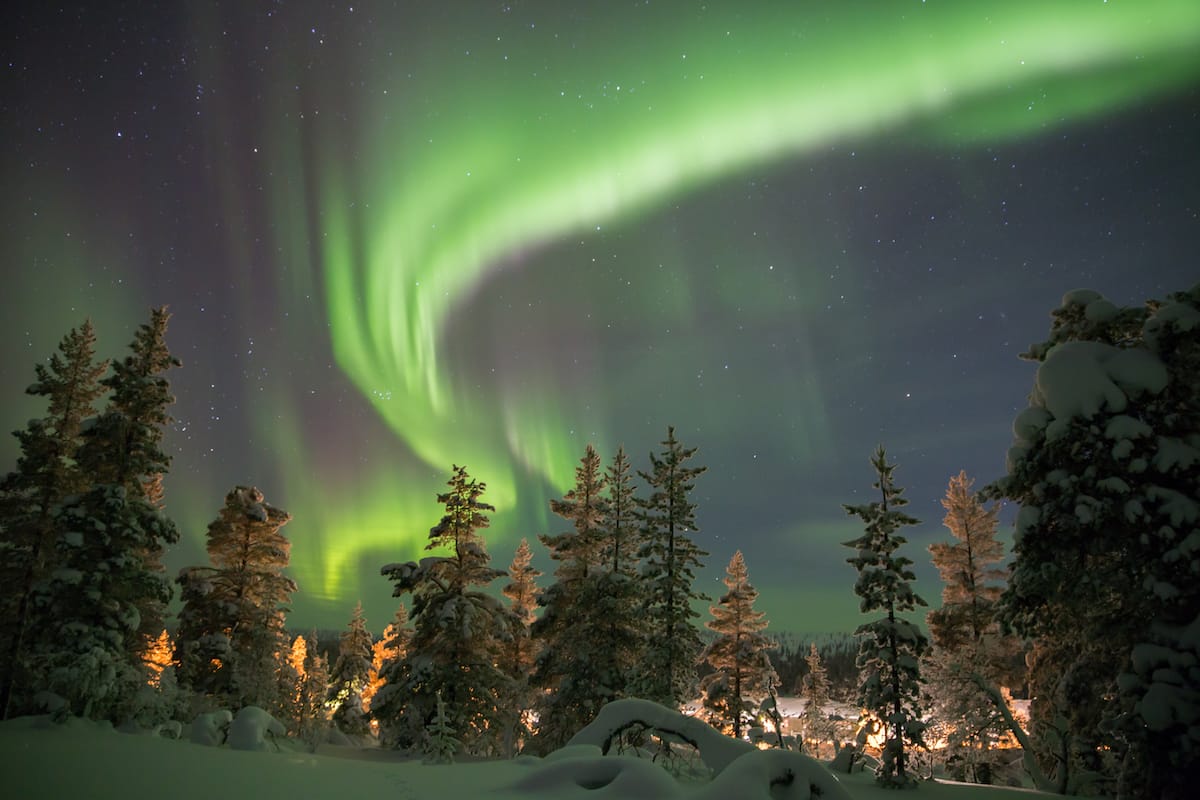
[(1092, 620)]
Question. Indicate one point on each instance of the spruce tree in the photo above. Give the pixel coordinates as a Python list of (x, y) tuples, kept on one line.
[(669, 559), (350, 675), (30, 497), (618, 592), (232, 620), (108, 589), (459, 632), (968, 647), (890, 647), (128, 453), (574, 669), (742, 670), (1104, 573), (440, 742)]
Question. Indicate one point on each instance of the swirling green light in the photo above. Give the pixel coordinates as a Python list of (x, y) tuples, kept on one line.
[(454, 149), (507, 162)]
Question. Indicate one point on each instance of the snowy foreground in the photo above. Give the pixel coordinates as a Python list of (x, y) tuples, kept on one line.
[(83, 759)]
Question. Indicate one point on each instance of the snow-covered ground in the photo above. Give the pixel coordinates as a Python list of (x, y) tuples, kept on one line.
[(82, 759)]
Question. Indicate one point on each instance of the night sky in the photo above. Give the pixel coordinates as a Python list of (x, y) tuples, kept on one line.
[(396, 237)]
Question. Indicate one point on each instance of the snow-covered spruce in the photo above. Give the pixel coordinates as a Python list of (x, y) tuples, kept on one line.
[(890, 647), (459, 635), (1106, 468)]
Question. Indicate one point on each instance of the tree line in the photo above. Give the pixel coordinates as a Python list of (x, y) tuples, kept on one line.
[(1095, 613)]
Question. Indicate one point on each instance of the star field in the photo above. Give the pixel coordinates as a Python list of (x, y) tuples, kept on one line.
[(396, 238)]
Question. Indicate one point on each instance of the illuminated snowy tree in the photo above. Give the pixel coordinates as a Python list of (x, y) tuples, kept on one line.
[(968, 647), (742, 671), (350, 675), (309, 710), (159, 655), (889, 647), (814, 689), (522, 593), (520, 653), (232, 622), (386, 655)]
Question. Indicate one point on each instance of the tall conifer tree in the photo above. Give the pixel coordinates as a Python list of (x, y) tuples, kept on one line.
[(387, 655), (109, 589), (577, 673), (967, 643), (1103, 581), (232, 621), (669, 559), (350, 675), (814, 688), (30, 498), (619, 593), (521, 652), (522, 592), (742, 671), (890, 647), (459, 631)]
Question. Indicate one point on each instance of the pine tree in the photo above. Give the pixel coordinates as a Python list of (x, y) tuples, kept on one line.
[(815, 691), (458, 633), (576, 672), (1104, 574), (967, 643), (350, 675), (47, 473), (232, 621), (520, 653), (669, 559), (522, 593), (890, 647), (742, 671)]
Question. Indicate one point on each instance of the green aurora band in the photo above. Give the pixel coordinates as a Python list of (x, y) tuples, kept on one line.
[(489, 144)]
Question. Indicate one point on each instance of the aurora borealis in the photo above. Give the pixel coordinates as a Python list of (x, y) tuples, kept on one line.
[(399, 237)]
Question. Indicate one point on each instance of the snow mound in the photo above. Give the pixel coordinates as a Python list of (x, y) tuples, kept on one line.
[(254, 729), (593, 776), (717, 751), (210, 729), (741, 769), (775, 775)]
